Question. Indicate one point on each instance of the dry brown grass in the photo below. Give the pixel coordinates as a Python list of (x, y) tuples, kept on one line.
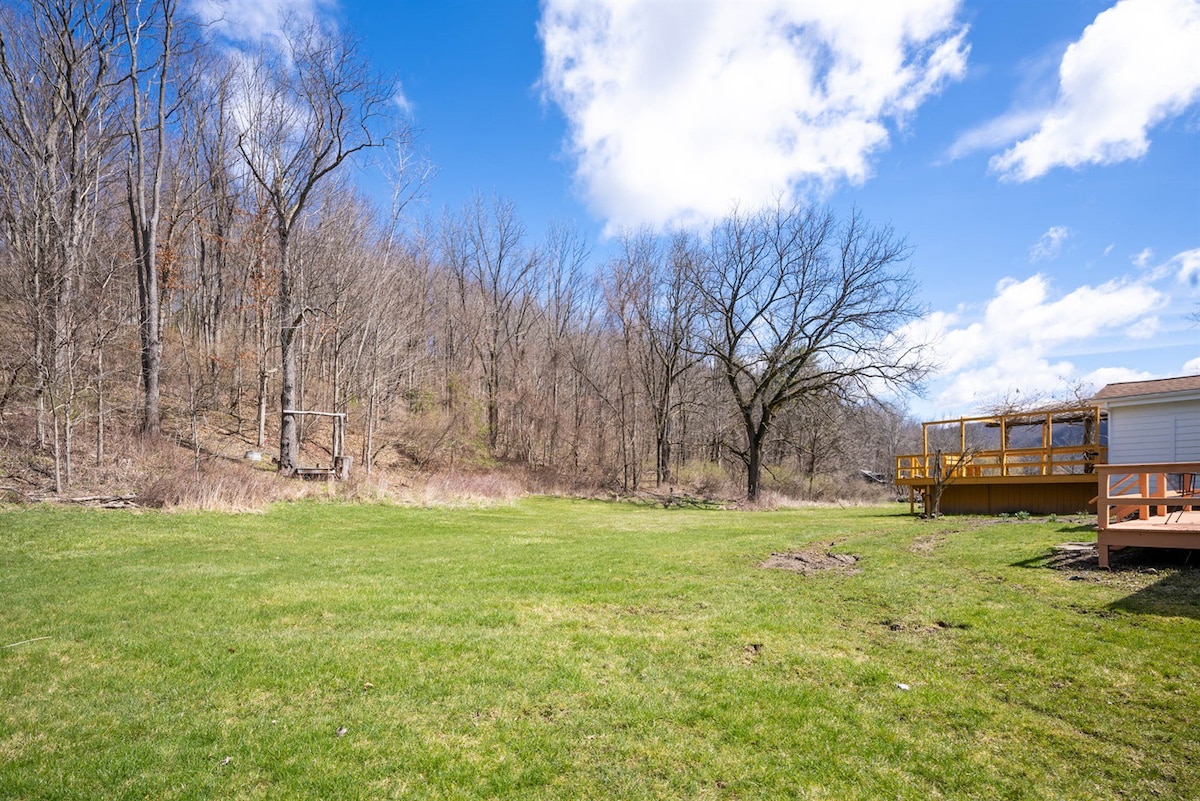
[(852, 495), (222, 487), (168, 473), (158, 472), (455, 489)]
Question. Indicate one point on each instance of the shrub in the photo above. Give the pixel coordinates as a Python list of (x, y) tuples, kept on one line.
[(703, 477)]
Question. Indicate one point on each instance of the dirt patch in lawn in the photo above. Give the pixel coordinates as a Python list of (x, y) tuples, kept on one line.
[(1082, 557), (1133, 569), (921, 627), (814, 560), (926, 543)]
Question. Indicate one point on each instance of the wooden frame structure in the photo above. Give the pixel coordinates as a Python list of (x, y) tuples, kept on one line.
[(340, 469), (1148, 505), (1044, 479)]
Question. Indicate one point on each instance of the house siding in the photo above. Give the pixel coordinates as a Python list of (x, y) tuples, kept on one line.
[(1160, 432)]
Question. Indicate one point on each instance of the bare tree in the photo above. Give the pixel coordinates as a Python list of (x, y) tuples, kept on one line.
[(307, 111), (944, 472), (564, 304), (221, 185), (55, 64), (217, 209), (150, 96), (659, 314), (493, 269), (796, 304)]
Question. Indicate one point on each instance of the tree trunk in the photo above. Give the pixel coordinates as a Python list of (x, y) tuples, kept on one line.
[(288, 327), (933, 500), (262, 406), (39, 360), (99, 406), (144, 186), (493, 401), (368, 440), (662, 467), (151, 339), (67, 430), (145, 238), (58, 482), (753, 468), (755, 435)]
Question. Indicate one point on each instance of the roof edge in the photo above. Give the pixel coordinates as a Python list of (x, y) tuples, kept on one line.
[(1127, 390)]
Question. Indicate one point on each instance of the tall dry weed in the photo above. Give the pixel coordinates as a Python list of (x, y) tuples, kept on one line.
[(453, 489), (220, 487)]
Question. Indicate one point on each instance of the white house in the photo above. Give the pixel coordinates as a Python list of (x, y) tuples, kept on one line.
[(1153, 421)]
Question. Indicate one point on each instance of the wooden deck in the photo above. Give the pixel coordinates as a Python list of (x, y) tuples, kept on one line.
[(990, 475), (1147, 506), (1050, 480), (1038, 495), (1179, 530)]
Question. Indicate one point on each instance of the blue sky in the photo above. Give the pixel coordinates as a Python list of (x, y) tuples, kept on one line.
[(1042, 158)]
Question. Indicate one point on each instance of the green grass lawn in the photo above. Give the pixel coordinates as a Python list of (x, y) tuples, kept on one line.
[(562, 649)]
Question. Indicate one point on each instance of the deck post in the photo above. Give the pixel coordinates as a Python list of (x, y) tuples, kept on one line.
[(1103, 502), (1003, 447), (1047, 443), (1102, 553), (1160, 491), (1144, 491)]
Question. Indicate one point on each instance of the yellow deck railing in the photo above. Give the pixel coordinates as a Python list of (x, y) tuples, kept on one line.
[(1004, 463), (961, 460)]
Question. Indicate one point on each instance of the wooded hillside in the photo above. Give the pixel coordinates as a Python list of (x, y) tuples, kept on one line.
[(184, 255)]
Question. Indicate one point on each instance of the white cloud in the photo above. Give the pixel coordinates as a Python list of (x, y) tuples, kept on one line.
[(1017, 341), (1116, 375), (1001, 131), (1183, 267), (243, 27), (1144, 328), (259, 21), (1135, 66), (1191, 367), (1050, 245), (1186, 267), (677, 110)]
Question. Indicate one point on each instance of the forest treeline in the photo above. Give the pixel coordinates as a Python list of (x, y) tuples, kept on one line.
[(184, 249)]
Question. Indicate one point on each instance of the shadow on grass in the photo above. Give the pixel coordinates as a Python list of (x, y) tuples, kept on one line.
[(651, 500), (1086, 528), (1176, 594)]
